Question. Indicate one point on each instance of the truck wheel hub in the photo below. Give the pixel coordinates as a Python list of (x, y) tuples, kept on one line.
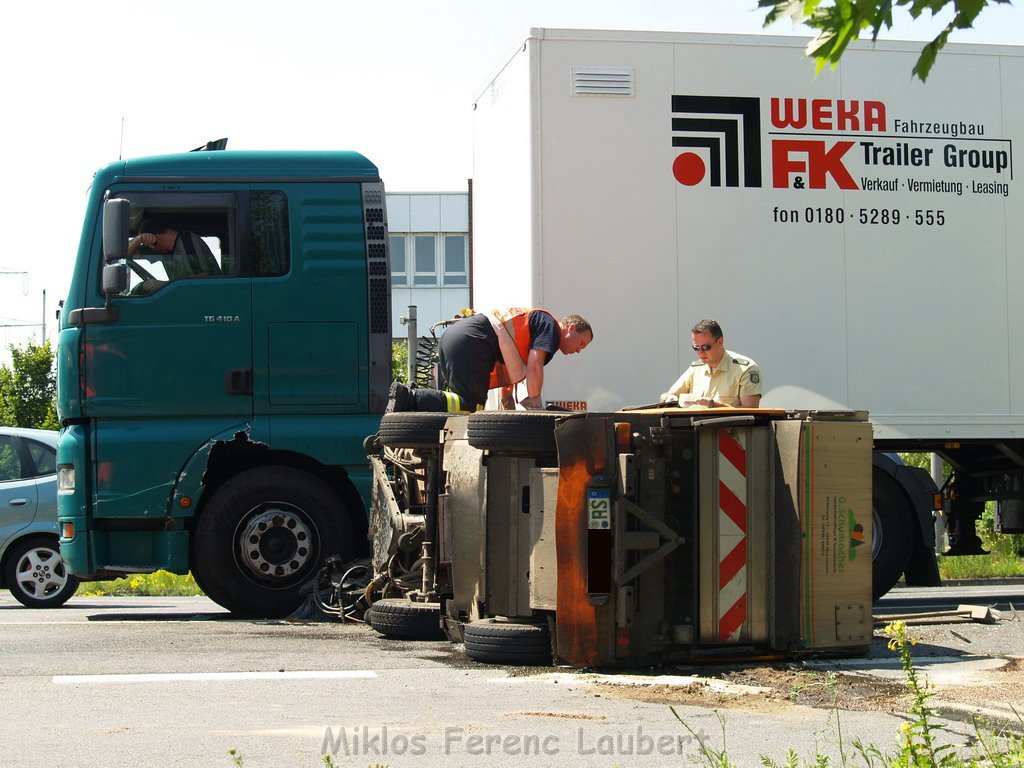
[(275, 543)]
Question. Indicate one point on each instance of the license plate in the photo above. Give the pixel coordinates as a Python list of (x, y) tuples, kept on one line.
[(599, 509)]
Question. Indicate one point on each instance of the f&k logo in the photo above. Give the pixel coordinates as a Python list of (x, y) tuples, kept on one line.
[(722, 133)]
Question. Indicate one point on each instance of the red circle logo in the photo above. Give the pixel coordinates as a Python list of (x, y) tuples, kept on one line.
[(689, 169)]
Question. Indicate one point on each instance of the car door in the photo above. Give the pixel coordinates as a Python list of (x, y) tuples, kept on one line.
[(18, 495), (42, 463)]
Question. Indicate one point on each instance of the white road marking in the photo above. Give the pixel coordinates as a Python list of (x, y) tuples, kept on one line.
[(176, 677)]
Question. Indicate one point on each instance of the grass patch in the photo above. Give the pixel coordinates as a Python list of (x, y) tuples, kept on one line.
[(1004, 558), (159, 584), (980, 567)]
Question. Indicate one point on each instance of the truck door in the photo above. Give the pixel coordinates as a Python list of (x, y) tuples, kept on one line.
[(173, 366), (310, 315)]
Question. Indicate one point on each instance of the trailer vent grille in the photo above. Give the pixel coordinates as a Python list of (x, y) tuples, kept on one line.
[(603, 81)]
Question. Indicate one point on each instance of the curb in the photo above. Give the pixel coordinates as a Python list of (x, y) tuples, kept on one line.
[(995, 581), (1001, 719)]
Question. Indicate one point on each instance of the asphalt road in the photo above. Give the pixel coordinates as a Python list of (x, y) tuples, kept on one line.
[(177, 682)]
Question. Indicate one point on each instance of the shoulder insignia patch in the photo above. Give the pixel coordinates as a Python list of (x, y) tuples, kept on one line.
[(754, 378)]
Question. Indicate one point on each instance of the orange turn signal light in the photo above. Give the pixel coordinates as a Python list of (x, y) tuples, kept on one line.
[(185, 502), (67, 530)]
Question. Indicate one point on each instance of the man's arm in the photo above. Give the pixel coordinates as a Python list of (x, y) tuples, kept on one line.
[(508, 402), (750, 387), (681, 387), (535, 378)]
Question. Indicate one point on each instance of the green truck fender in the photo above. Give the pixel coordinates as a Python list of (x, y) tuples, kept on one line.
[(189, 485)]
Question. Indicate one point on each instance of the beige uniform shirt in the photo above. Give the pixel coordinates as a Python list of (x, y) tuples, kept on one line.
[(735, 377)]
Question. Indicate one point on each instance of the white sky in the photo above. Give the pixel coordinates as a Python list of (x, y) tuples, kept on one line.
[(393, 79)]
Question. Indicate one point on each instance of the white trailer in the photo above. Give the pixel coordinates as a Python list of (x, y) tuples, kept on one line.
[(857, 233)]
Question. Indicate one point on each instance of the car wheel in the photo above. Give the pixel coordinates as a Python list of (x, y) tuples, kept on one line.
[(37, 575), (263, 535)]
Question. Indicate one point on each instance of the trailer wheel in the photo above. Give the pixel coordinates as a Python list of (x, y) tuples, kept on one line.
[(497, 641), (263, 535), (405, 620), (412, 430), (891, 533), (513, 431)]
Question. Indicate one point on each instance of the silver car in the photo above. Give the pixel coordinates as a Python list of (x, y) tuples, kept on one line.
[(30, 562)]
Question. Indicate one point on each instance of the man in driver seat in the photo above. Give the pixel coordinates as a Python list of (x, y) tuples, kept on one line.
[(183, 254)]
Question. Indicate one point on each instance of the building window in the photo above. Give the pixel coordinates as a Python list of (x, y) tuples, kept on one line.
[(455, 260), (427, 260), (399, 274)]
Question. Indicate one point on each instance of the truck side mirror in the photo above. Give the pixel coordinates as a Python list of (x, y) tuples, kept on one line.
[(116, 215), (115, 279)]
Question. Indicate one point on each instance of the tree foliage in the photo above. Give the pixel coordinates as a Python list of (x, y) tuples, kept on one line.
[(400, 361), (840, 21), (28, 389)]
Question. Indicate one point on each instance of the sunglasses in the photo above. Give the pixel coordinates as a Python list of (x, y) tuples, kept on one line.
[(703, 347)]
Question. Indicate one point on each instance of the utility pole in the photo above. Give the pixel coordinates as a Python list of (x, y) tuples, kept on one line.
[(25, 325)]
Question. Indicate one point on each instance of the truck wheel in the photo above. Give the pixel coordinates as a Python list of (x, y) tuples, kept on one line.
[(406, 429), (497, 641), (513, 431), (264, 534), (405, 620), (891, 533), (36, 574)]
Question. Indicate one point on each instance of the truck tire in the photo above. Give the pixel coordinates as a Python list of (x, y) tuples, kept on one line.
[(405, 620), (891, 533), (412, 430), (497, 641), (264, 534), (513, 431), (36, 574)]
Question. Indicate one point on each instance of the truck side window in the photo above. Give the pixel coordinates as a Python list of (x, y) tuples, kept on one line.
[(271, 247), (170, 245)]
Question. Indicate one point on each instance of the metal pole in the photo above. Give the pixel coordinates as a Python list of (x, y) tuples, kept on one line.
[(940, 517), (43, 340), (410, 321)]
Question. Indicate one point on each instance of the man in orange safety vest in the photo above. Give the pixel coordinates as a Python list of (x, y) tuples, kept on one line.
[(495, 349)]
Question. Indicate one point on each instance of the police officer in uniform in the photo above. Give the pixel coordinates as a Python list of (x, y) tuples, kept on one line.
[(719, 378)]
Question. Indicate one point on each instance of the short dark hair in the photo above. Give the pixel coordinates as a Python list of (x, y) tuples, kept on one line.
[(153, 225), (581, 323), (707, 325)]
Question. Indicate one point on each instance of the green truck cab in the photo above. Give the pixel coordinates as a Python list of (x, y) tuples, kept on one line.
[(214, 394)]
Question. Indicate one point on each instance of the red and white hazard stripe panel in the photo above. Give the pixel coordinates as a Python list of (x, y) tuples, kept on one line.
[(732, 535)]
